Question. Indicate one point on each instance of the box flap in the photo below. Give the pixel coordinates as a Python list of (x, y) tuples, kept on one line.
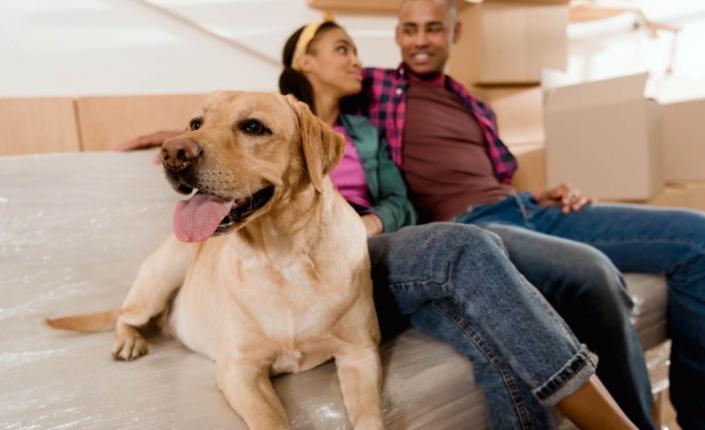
[(595, 93)]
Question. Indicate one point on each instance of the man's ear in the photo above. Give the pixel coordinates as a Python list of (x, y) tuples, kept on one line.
[(322, 147), (397, 34)]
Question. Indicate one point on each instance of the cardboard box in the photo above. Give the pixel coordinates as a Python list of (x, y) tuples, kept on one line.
[(519, 111), (683, 137), (603, 138), (695, 191), (509, 41), (685, 194), (357, 5), (671, 196), (531, 175)]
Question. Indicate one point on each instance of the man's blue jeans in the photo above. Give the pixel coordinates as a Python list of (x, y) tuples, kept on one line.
[(455, 283), (571, 259)]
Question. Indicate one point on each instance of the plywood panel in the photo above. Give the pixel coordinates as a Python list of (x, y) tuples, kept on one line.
[(36, 125), (105, 122)]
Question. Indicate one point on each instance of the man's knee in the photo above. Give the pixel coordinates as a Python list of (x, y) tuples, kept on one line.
[(692, 231), (580, 276), (593, 272)]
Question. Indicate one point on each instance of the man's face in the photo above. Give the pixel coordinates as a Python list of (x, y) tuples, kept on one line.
[(424, 34)]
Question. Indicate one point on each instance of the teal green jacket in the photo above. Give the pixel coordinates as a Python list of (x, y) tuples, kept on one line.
[(385, 183)]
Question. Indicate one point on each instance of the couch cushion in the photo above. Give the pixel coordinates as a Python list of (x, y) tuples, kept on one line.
[(649, 293), (73, 231)]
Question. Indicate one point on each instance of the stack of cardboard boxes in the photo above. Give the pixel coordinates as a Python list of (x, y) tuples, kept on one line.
[(683, 139), (504, 47), (606, 138), (610, 141), (603, 138)]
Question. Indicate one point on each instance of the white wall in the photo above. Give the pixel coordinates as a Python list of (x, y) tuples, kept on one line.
[(89, 47), (612, 47)]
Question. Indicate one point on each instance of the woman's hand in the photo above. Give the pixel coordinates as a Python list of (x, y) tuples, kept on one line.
[(566, 196), (373, 224)]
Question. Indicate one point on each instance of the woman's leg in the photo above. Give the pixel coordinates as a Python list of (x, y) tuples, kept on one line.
[(509, 400), (497, 316), (655, 240), (592, 407)]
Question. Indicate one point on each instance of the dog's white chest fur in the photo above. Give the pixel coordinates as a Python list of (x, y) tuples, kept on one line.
[(287, 299)]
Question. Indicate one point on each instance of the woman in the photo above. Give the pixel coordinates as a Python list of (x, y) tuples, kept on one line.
[(451, 281)]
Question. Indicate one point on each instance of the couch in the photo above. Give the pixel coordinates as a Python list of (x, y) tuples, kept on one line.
[(73, 230)]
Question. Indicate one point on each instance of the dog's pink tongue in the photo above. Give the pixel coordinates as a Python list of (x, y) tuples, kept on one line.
[(197, 219)]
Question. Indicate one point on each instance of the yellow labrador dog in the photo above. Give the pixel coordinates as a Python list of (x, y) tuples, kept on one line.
[(267, 271)]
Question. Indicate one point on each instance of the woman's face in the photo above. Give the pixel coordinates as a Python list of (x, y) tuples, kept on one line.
[(332, 65)]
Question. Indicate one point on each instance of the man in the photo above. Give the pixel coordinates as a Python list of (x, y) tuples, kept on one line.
[(457, 169)]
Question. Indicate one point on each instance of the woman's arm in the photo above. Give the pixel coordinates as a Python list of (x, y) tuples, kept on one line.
[(393, 206)]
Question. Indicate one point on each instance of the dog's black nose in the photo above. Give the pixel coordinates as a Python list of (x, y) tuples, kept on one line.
[(179, 153)]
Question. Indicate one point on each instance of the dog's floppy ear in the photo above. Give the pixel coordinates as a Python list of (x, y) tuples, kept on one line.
[(322, 147)]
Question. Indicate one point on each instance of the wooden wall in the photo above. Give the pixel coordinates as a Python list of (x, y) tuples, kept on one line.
[(33, 125), (105, 122), (62, 124)]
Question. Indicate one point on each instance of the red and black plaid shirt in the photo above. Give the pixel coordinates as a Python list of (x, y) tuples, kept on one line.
[(385, 106)]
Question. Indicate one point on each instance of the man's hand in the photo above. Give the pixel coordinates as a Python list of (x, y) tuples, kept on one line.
[(564, 195), (373, 224), (148, 140)]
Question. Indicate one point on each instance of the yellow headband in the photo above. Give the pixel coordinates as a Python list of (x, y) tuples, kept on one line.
[(307, 35)]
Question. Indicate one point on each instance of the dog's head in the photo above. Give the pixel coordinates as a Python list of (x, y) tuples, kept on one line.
[(244, 154)]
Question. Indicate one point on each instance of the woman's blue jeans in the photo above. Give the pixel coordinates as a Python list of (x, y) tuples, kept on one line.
[(575, 261), (455, 283)]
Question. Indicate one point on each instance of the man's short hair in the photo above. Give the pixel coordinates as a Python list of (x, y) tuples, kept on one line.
[(452, 9)]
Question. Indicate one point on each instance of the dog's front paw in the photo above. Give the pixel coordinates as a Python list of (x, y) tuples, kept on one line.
[(370, 422), (129, 344)]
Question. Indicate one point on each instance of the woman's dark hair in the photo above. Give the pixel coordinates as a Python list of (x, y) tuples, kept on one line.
[(292, 81)]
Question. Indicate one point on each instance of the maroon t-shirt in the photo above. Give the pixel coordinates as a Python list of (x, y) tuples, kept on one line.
[(445, 159)]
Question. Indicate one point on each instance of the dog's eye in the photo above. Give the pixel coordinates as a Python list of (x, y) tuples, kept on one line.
[(196, 124), (252, 126)]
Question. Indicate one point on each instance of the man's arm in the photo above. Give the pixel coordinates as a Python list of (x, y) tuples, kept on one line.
[(148, 140)]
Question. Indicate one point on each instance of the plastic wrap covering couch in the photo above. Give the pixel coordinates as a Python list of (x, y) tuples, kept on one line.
[(73, 231)]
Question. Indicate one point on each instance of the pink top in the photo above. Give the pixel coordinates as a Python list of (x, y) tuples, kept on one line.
[(349, 176)]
